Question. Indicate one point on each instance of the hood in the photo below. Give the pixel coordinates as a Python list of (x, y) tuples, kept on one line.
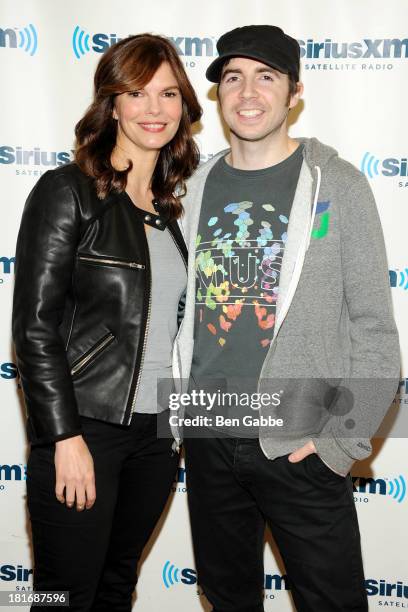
[(316, 153)]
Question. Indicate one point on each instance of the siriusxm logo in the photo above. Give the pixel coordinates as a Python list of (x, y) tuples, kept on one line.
[(6, 266), (83, 43), (15, 573), (395, 488), (33, 157), (387, 589), (8, 371), (403, 386), (367, 48), (401, 398), (399, 278), (172, 575), (371, 166), (13, 472), (24, 38), (179, 484)]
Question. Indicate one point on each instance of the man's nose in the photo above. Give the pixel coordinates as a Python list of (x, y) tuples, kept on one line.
[(248, 89)]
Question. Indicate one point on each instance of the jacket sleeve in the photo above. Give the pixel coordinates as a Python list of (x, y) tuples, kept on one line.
[(365, 396), (45, 256)]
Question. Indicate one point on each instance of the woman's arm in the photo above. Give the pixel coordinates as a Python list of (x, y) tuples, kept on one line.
[(45, 258)]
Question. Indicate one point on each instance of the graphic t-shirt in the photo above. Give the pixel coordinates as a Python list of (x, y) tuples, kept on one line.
[(240, 244)]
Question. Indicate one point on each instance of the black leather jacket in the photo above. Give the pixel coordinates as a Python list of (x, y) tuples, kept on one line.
[(81, 304)]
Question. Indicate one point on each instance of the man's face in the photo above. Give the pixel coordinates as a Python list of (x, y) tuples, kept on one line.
[(254, 98)]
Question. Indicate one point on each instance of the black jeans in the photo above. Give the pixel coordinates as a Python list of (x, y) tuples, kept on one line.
[(233, 490), (93, 554)]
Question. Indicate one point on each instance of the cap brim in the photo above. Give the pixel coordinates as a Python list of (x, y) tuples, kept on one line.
[(213, 72)]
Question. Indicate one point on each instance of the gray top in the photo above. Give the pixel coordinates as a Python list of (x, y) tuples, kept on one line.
[(169, 280)]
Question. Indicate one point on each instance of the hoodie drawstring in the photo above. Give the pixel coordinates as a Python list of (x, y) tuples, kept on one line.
[(319, 180)]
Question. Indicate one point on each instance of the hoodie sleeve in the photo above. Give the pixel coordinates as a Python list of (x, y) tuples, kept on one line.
[(375, 357)]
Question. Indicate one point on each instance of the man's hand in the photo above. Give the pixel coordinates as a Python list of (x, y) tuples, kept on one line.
[(75, 472), (300, 453)]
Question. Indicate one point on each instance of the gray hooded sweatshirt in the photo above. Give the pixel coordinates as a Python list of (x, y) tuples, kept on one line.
[(334, 358)]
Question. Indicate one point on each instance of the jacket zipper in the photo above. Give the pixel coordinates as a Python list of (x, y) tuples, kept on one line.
[(71, 327), (143, 349), (113, 262), (96, 349), (146, 331)]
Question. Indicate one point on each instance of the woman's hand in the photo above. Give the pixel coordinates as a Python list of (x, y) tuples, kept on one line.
[(75, 472)]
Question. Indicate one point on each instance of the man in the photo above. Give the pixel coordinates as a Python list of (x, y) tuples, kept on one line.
[(288, 289)]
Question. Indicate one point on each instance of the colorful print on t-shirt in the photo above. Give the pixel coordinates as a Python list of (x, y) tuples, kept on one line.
[(240, 268), (240, 245)]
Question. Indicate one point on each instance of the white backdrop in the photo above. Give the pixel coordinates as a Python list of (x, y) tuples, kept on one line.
[(355, 99)]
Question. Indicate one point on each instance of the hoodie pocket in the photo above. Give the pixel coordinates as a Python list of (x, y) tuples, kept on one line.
[(306, 394), (292, 358), (327, 359)]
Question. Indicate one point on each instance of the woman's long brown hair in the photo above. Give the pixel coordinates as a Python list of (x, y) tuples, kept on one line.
[(128, 65)]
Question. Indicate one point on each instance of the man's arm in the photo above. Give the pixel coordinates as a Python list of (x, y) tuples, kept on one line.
[(374, 347)]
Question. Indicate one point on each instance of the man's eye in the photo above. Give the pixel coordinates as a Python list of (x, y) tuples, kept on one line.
[(267, 77), (231, 79)]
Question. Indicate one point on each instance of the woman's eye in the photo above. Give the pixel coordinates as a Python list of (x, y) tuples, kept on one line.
[(135, 94), (170, 94)]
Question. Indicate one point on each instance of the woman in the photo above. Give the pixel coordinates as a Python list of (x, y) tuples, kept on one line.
[(99, 278)]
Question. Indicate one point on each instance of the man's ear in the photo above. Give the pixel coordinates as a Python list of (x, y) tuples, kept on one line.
[(294, 99)]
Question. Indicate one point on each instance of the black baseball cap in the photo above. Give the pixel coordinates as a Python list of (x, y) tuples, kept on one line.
[(265, 43)]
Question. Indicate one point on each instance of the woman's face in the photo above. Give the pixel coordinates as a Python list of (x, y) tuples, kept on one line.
[(148, 118)]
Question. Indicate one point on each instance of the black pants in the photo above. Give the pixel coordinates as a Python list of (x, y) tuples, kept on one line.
[(93, 554), (233, 490)]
